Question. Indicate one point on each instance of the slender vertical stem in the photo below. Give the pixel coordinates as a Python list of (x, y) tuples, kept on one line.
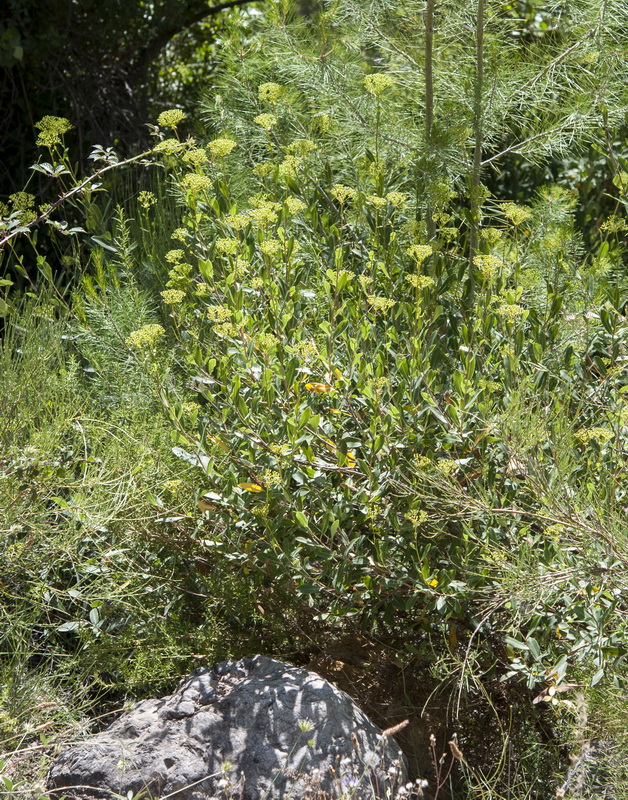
[(429, 97), (477, 150)]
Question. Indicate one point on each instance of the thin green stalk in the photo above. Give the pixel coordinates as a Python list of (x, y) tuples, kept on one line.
[(477, 150), (429, 99)]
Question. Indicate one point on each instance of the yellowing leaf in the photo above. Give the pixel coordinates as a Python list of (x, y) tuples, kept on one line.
[(338, 374), (251, 487), (351, 460), (335, 411), (217, 442), (318, 388)]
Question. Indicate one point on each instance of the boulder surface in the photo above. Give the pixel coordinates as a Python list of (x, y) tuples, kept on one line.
[(250, 729)]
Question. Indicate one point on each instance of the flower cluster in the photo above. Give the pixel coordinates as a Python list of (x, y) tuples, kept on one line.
[(380, 305), (420, 281), (196, 157), (237, 221), (173, 297), (24, 202), (227, 246), (419, 252), (170, 118), (600, 435), (510, 311), (271, 478), (180, 234), (266, 342), (377, 84), (342, 193), (271, 247), (307, 349), (294, 205), (289, 167), (302, 147), (396, 199), (218, 313), (174, 256), (267, 121), (614, 224), (270, 92), (416, 517), (220, 148), (515, 213), (195, 183), (265, 213), (376, 201), (168, 147), (51, 130), (146, 200), (488, 266), (146, 336)]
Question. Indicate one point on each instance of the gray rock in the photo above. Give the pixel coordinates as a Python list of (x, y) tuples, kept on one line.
[(268, 729)]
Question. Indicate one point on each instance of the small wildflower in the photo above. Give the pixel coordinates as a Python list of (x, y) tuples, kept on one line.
[(171, 486), (302, 147), (237, 221), (173, 297), (146, 200), (515, 213), (227, 246), (289, 167), (396, 199), (365, 281), (257, 283), (271, 247), (270, 92), (380, 305), (170, 118), (263, 216), (305, 725), (263, 169), (271, 478), (221, 147), (416, 517), (378, 83), (294, 205), (342, 193), (488, 266), (51, 130), (266, 342), (174, 256), (227, 330), (168, 147), (600, 435), (420, 281), (197, 157), (195, 183), (23, 201), (419, 252), (147, 336), (267, 121), (376, 201), (491, 236), (218, 313), (421, 463), (614, 224), (307, 350), (446, 466), (262, 510), (510, 311), (179, 233)]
